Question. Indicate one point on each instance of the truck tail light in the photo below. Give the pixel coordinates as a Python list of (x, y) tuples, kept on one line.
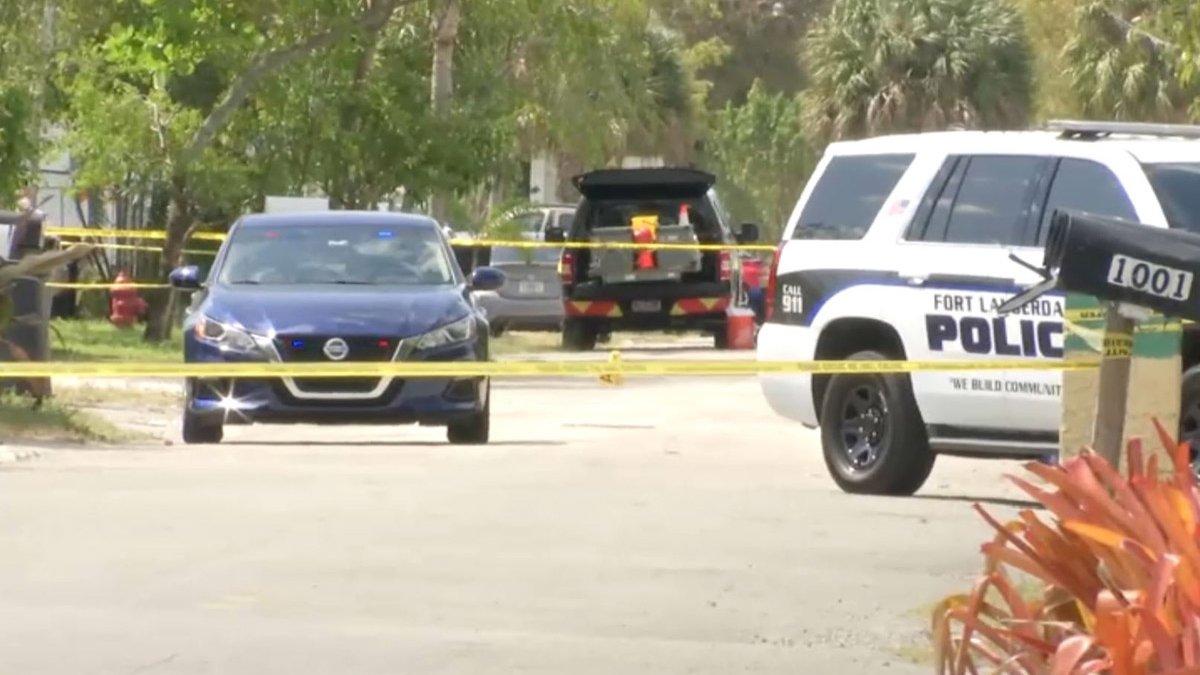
[(726, 265), (771, 280), (566, 267)]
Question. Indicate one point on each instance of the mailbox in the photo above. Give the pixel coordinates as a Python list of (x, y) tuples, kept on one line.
[(1119, 261)]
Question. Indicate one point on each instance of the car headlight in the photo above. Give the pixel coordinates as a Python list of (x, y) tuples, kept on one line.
[(459, 331), (225, 336)]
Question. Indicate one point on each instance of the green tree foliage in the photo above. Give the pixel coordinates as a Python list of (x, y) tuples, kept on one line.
[(21, 75), (762, 155), (1044, 21), (894, 65), (1125, 61), (18, 145), (755, 38), (155, 87)]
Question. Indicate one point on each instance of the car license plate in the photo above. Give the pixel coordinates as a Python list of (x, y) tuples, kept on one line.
[(531, 287), (647, 305)]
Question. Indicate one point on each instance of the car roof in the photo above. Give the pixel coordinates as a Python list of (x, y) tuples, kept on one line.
[(1144, 148), (380, 218)]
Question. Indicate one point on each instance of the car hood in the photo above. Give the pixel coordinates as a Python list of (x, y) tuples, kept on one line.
[(338, 310)]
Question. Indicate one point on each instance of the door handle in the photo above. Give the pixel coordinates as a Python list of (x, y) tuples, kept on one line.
[(915, 279)]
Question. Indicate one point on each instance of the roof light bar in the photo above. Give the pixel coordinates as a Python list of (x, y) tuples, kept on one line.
[(1086, 129)]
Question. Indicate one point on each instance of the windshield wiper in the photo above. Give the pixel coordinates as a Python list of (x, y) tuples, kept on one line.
[(244, 281), (349, 282)]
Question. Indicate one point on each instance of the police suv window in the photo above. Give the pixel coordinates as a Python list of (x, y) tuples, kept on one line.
[(1178, 189), (849, 194), (993, 199), (1084, 185)]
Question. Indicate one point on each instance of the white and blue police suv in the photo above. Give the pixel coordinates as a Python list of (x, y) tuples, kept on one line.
[(899, 248)]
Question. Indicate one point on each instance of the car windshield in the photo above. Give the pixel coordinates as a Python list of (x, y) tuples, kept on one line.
[(509, 255), (337, 253), (1177, 186)]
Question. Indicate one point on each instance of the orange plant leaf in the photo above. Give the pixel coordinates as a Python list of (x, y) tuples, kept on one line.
[(1166, 651), (1113, 626), (1058, 504), (1069, 654), (1180, 454), (1018, 560), (1146, 531), (1096, 533), (1134, 455), (1095, 666)]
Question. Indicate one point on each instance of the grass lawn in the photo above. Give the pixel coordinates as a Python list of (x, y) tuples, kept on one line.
[(94, 340), (97, 340), (55, 421)]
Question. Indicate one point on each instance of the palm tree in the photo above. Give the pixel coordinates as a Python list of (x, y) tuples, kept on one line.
[(879, 66), (1121, 67)]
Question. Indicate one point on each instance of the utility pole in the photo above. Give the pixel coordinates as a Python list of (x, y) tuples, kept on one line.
[(43, 69)]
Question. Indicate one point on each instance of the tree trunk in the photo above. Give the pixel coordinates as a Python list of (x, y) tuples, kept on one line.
[(161, 310), (446, 17)]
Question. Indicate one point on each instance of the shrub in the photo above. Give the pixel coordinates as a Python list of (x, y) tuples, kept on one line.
[(1115, 576)]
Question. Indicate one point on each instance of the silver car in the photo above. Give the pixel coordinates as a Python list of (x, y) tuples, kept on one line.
[(531, 297)]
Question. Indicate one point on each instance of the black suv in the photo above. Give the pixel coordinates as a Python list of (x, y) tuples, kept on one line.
[(606, 290)]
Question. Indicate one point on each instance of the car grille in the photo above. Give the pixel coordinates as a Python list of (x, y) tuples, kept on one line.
[(310, 349)]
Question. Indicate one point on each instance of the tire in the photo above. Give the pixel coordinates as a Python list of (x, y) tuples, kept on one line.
[(721, 338), (1189, 414), (898, 459), (198, 432), (476, 429), (578, 336)]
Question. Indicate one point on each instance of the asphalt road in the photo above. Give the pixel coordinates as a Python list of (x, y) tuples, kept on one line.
[(664, 526)]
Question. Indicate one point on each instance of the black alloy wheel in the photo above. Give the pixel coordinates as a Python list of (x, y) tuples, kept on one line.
[(872, 435)]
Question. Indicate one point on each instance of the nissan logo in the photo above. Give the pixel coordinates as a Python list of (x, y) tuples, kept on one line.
[(336, 349)]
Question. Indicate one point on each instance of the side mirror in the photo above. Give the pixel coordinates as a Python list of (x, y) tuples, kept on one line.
[(487, 279), (555, 234), (185, 278), (748, 234)]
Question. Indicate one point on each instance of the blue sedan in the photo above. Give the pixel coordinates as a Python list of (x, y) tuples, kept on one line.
[(335, 286)]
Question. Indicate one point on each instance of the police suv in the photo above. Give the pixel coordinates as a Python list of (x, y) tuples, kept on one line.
[(899, 248)]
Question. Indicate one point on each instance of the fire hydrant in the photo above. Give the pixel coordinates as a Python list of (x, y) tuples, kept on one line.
[(125, 303)]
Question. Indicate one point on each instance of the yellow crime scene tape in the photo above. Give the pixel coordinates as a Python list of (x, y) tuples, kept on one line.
[(615, 366), (147, 249), (481, 243), (93, 232)]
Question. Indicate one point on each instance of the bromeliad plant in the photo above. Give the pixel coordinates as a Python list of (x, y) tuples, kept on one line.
[(1116, 576)]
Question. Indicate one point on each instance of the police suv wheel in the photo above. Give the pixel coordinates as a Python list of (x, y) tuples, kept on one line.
[(872, 434), (1189, 415)]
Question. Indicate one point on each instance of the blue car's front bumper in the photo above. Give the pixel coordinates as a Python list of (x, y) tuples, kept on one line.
[(431, 401)]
